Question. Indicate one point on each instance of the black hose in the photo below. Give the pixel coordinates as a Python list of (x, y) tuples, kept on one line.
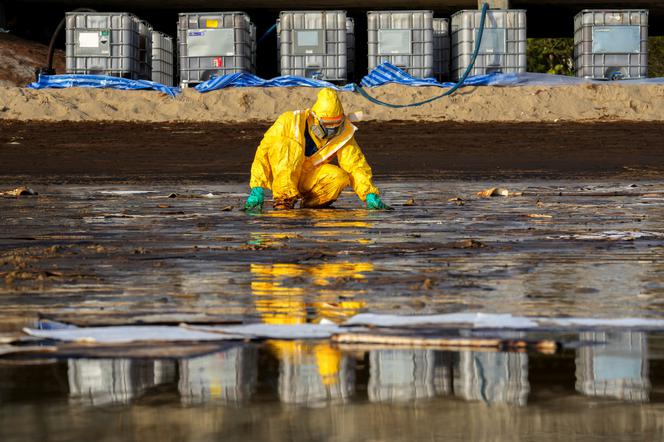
[(48, 69)]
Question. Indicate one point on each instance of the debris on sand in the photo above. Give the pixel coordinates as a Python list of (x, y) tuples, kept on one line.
[(496, 191), (19, 191), (410, 202), (456, 200), (539, 216), (611, 235), (191, 195), (468, 244)]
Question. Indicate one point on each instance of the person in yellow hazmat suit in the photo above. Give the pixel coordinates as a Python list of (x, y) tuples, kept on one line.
[(295, 155)]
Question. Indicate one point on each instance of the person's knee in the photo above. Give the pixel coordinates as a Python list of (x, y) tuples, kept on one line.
[(339, 177)]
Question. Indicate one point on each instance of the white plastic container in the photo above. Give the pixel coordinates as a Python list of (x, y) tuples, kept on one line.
[(402, 38), (145, 50), (611, 44), (214, 44), (102, 44), (503, 46), (312, 44), (162, 58)]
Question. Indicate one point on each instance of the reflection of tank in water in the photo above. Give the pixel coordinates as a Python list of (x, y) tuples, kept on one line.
[(228, 376), (313, 374), (165, 371), (617, 369), (404, 375), (109, 381), (492, 377)]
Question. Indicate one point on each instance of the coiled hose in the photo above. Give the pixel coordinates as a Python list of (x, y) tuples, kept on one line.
[(478, 41)]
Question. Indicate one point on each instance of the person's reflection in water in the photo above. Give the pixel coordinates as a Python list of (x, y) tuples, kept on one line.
[(309, 373), (617, 366), (492, 377), (110, 381), (229, 376)]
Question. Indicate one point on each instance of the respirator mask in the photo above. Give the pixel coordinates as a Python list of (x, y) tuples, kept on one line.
[(327, 130)]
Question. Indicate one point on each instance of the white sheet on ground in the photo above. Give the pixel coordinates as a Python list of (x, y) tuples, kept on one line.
[(504, 321), (272, 331), (127, 334), (477, 320)]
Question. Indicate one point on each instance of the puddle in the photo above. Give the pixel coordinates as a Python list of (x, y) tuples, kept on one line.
[(560, 249), (600, 254), (313, 390)]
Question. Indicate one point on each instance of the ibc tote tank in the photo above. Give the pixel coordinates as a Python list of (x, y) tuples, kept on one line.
[(162, 58), (503, 47), (145, 50), (611, 44), (313, 44), (214, 44), (402, 38), (103, 43)]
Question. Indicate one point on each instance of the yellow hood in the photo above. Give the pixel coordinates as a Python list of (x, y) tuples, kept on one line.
[(328, 106)]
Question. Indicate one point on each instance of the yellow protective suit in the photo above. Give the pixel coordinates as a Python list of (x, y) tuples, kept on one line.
[(280, 163)]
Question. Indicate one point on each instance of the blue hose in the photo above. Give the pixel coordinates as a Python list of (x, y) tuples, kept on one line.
[(478, 42), (268, 32)]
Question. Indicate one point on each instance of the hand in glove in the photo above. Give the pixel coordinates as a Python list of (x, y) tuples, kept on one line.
[(255, 200), (375, 203)]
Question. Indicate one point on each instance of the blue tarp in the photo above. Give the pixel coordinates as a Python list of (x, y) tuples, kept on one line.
[(384, 74), (387, 73), (100, 81), (249, 80)]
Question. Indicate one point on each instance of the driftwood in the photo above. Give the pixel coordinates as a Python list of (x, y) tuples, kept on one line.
[(24, 349), (543, 346)]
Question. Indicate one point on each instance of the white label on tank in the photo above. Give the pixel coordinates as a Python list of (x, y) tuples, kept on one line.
[(88, 39), (394, 41), (616, 39), (494, 41), (307, 38), (210, 42)]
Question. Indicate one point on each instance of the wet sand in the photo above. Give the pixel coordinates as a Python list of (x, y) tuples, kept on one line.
[(144, 219), (562, 248), (123, 152)]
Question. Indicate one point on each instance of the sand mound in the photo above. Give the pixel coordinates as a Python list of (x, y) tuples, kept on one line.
[(19, 58), (478, 104)]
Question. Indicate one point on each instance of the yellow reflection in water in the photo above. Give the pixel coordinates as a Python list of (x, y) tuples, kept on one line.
[(280, 291)]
